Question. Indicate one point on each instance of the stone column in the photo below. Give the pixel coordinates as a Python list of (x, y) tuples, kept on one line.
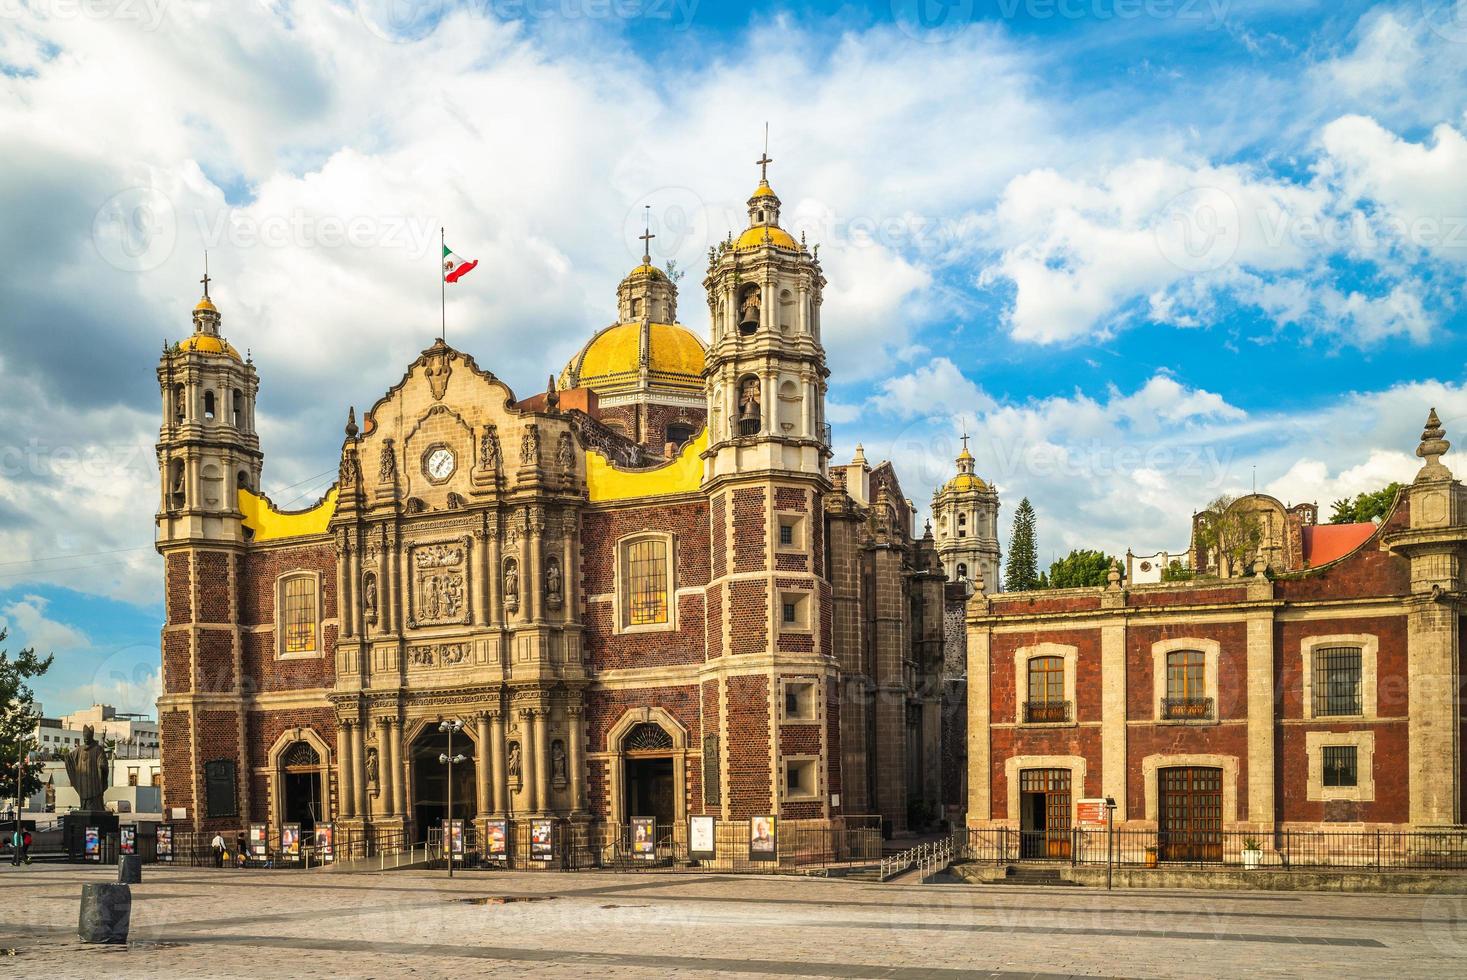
[(345, 800), (532, 582), (1432, 728), (576, 773), (1113, 715), (388, 779), (542, 759), (1260, 807), (980, 770), (527, 759), (496, 748), (399, 778), (481, 762), (494, 571), (359, 769)]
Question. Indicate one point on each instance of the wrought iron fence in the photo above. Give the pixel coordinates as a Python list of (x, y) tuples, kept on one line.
[(1384, 849), (1046, 711), (1180, 708)]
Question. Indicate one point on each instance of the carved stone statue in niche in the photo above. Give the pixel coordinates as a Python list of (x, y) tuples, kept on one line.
[(552, 582), (369, 598), (372, 779), (565, 456), (514, 761), (530, 446), (557, 762), (489, 449), (511, 584), (387, 464)]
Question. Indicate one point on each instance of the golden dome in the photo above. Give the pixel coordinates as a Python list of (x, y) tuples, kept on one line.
[(646, 270), (755, 236), (206, 305), (203, 343), (965, 481), (609, 363), (764, 190)]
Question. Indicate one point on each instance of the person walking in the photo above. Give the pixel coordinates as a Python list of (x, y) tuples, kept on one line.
[(25, 846), (218, 845), (17, 841)]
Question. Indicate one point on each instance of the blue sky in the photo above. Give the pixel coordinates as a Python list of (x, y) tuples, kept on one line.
[(1146, 251)]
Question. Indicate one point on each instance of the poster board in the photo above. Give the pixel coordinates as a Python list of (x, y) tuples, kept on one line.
[(644, 838), (453, 839), (325, 843), (92, 844), (127, 839), (496, 840), (763, 839), (701, 839), (542, 840), (165, 842), (258, 843), (290, 842)]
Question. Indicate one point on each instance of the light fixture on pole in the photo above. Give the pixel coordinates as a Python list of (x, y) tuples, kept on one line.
[(448, 759)]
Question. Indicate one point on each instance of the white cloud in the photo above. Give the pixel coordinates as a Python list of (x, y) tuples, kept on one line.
[(28, 624), (937, 388)]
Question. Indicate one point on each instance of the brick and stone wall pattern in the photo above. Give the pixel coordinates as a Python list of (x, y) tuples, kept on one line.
[(748, 746)]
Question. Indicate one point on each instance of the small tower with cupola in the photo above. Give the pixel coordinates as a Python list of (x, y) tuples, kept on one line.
[(207, 451), (965, 527)]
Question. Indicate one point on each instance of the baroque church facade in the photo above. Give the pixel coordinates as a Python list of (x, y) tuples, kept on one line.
[(646, 591)]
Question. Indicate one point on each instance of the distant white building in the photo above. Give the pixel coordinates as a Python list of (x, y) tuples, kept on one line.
[(1148, 569), (136, 735), (136, 787)]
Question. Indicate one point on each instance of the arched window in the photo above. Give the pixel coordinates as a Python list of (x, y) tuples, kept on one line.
[(212, 482), (176, 494), (242, 480), (646, 582), (298, 614), (209, 405), (790, 405), (962, 569), (679, 433), (750, 410), (238, 416), (180, 402)]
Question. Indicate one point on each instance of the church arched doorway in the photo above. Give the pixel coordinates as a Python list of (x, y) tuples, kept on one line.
[(300, 785), (430, 779), (649, 783)]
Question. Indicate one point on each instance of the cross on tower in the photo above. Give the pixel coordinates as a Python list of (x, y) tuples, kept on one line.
[(965, 442), (205, 280), (764, 163), (646, 238)]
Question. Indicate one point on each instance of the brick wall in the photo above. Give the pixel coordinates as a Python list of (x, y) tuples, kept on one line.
[(178, 588), (748, 746), (260, 570), (608, 650), (749, 611), (751, 530), (215, 661), (601, 529), (217, 733), (176, 678), (177, 762), (212, 571)]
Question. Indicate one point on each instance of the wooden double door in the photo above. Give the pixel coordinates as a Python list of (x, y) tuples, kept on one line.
[(1190, 814), (1044, 814)]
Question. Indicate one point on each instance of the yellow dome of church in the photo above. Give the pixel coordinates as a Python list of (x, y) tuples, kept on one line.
[(611, 361), (203, 343)]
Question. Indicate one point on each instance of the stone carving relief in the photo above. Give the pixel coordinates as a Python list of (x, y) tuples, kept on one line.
[(438, 655), (514, 761), (530, 446), (369, 596), (553, 582), (387, 465), (372, 777), (489, 452), (438, 370), (565, 455), (438, 585), (511, 584), (557, 762)]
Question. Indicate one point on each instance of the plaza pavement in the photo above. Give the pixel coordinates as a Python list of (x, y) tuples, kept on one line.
[(190, 922)]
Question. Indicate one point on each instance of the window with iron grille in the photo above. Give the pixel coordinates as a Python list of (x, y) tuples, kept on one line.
[(645, 602), (1186, 686), (1340, 765), (1046, 679), (298, 609), (1337, 681)]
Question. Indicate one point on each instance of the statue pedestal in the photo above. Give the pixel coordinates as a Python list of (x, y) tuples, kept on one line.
[(74, 832)]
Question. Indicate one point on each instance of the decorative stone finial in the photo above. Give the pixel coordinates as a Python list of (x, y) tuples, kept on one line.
[(351, 422), (552, 395), (979, 586), (927, 530), (1260, 566), (1433, 447), (860, 457), (1113, 576)]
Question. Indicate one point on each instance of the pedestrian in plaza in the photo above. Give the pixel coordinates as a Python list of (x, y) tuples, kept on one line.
[(25, 847), (218, 845), (17, 840)]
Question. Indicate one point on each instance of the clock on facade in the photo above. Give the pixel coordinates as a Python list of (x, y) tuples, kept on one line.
[(439, 463)]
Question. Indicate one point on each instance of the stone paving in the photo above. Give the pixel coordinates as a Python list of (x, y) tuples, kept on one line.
[(201, 922)]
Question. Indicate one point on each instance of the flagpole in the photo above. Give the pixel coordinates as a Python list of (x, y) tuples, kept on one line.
[(442, 289)]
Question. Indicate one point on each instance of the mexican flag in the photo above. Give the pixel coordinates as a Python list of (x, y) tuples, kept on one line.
[(455, 268)]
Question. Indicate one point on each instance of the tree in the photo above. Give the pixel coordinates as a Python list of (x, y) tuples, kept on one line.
[(1229, 534), (1081, 567), (1365, 507), (1176, 572), (1021, 571), (18, 717)]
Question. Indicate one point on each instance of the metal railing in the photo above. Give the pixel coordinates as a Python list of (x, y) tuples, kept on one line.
[(1046, 711), (1181, 708), (928, 858), (1378, 850)]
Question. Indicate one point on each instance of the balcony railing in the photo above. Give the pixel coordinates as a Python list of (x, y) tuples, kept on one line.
[(1046, 711), (1184, 708)]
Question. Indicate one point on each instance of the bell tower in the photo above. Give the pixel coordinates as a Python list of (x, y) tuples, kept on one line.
[(965, 515), (765, 475), (207, 451)]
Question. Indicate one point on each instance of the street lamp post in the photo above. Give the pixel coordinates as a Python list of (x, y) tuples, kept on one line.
[(448, 759), (1110, 840)]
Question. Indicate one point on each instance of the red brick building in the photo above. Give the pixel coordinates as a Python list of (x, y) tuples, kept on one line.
[(645, 591), (1294, 696)]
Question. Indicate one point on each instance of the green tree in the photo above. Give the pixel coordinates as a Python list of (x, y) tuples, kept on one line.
[(1021, 571), (1081, 567), (18, 717), (1365, 507), (1175, 571)]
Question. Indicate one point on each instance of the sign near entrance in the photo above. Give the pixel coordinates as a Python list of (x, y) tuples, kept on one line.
[(325, 842), (165, 842), (259, 846), (290, 842), (644, 838), (453, 838), (542, 841), (127, 839), (496, 835), (92, 848), (763, 845), (701, 846), (1090, 815)]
